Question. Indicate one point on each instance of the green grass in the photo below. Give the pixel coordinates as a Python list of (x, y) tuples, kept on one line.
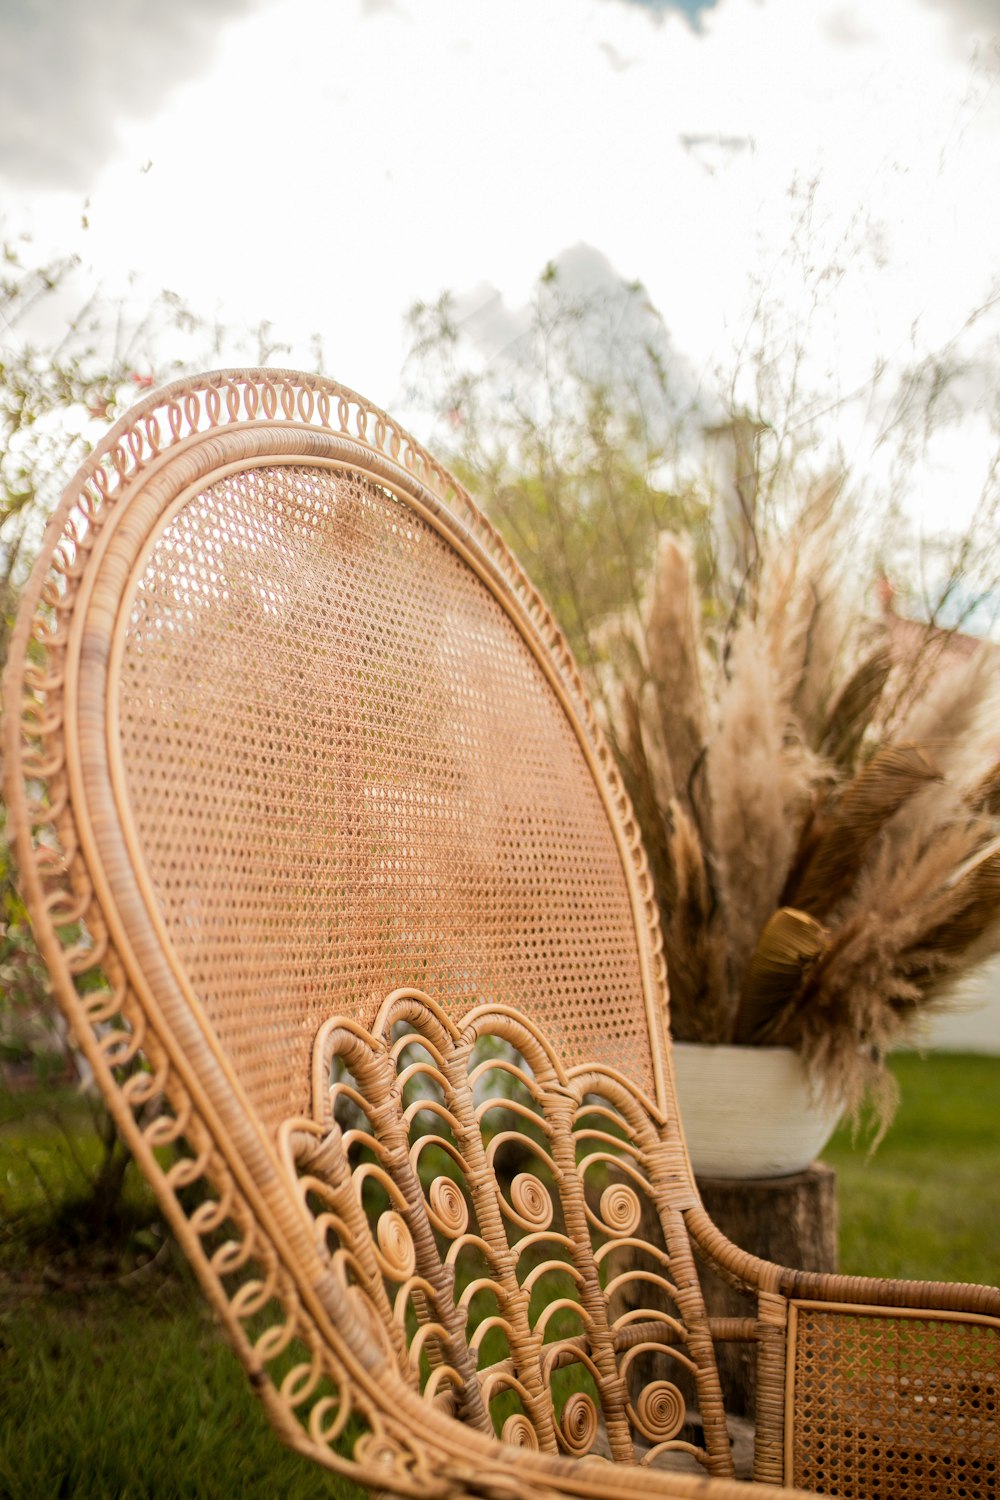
[(119, 1392), (927, 1203), (117, 1395), (115, 1387)]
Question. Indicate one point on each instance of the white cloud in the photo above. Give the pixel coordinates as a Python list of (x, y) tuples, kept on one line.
[(71, 72), (327, 164)]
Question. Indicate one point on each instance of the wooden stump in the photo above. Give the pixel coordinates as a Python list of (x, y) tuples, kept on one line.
[(790, 1220)]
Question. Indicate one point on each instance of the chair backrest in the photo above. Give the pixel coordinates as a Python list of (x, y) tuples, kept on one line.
[(291, 730), (351, 750)]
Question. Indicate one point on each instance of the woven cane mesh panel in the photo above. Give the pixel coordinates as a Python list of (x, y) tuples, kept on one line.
[(896, 1407), (349, 773)]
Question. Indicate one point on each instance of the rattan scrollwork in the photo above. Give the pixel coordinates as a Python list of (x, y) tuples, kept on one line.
[(506, 1196)]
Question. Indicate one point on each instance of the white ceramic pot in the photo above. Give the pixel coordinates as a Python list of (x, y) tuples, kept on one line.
[(749, 1111)]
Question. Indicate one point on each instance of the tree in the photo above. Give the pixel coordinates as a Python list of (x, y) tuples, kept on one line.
[(584, 433), (570, 422), (71, 360), (766, 722)]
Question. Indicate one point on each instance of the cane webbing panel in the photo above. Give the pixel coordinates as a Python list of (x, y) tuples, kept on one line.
[(895, 1407), (349, 773)]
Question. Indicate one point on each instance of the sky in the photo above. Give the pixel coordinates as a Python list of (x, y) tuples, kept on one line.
[(325, 163)]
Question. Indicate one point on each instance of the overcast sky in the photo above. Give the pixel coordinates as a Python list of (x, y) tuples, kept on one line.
[(324, 163)]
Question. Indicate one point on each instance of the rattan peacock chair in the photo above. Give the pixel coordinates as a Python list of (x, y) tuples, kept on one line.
[(342, 896)]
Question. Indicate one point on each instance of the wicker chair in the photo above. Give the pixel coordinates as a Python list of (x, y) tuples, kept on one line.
[(342, 896)]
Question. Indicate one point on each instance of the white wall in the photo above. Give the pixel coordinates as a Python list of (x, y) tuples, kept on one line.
[(972, 1024)]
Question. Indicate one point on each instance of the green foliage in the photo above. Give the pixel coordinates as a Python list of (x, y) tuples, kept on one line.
[(570, 434), (71, 361), (53, 389), (73, 1206), (28, 1031)]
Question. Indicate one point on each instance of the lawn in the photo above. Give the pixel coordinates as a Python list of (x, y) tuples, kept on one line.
[(123, 1390), (128, 1393), (926, 1204), (116, 1388)]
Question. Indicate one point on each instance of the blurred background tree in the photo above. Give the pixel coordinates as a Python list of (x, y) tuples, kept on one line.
[(761, 693), (571, 422), (584, 434)]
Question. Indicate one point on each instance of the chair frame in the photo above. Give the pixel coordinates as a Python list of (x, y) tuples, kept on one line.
[(167, 1081)]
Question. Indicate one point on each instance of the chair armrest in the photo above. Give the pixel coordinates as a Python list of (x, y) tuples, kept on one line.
[(751, 1274), (870, 1386)]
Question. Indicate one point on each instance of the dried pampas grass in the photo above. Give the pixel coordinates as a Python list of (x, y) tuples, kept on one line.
[(893, 959), (674, 652), (956, 717), (699, 993), (820, 797), (760, 781)]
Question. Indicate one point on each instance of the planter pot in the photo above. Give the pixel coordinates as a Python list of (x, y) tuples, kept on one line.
[(749, 1111)]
